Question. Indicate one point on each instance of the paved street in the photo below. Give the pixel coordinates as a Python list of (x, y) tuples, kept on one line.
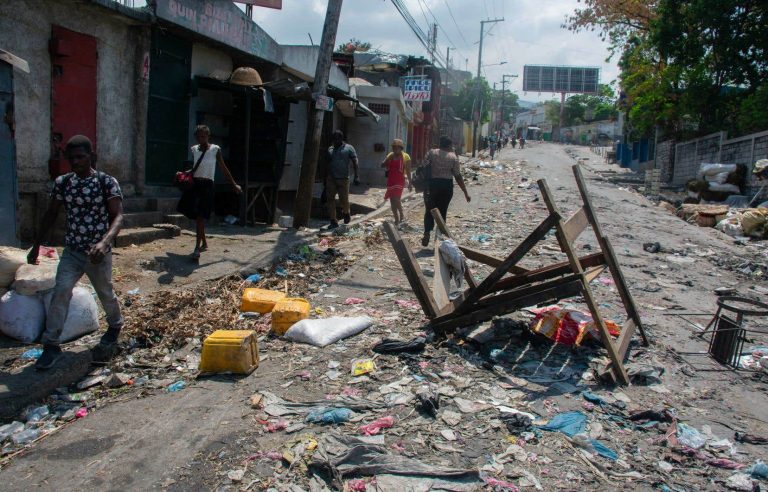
[(140, 439)]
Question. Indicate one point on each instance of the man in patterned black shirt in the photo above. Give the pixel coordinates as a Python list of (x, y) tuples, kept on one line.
[(94, 206)]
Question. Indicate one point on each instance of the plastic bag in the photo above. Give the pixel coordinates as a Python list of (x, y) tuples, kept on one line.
[(569, 423), (322, 332), (731, 226), (568, 326), (83, 315), (10, 261), (377, 425), (31, 279), (454, 258), (22, 317), (690, 437), (326, 415)]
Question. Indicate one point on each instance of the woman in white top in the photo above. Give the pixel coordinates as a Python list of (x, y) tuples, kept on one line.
[(197, 203)]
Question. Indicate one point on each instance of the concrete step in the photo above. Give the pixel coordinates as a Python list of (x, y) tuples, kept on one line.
[(133, 204), (143, 235), (166, 205), (142, 219), (179, 220)]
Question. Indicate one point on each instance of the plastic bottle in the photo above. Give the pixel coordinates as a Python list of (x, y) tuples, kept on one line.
[(8, 430), (177, 386), (37, 414), (25, 436)]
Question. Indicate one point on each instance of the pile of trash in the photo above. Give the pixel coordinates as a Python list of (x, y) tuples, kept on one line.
[(749, 222)]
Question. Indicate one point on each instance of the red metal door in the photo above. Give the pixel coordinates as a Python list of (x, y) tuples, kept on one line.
[(73, 92)]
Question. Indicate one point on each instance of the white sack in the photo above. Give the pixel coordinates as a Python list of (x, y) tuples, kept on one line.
[(322, 332), (83, 315), (454, 258), (717, 178), (10, 261), (730, 226), (707, 169), (727, 187), (22, 317), (31, 279)]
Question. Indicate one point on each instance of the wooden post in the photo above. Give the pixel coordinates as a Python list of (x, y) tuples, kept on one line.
[(303, 205)]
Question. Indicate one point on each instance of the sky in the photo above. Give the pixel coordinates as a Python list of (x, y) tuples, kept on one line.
[(530, 34)]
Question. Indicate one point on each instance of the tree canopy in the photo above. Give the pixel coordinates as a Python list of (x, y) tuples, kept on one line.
[(688, 67), (583, 108), (467, 100)]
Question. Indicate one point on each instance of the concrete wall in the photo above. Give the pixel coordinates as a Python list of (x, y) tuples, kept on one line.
[(25, 30), (665, 159), (302, 61), (689, 156)]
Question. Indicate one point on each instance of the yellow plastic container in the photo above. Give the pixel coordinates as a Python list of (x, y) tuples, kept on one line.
[(234, 351), (287, 312), (260, 300)]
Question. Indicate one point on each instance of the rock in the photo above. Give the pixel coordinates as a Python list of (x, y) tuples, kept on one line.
[(236, 475), (451, 418), (117, 380), (665, 466), (91, 381), (448, 435)]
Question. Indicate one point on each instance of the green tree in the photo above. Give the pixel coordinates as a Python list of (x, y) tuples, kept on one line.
[(583, 108), (473, 96)]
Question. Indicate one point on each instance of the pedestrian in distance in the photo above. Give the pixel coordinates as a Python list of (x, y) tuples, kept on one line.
[(444, 168), (398, 166), (492, 147), (514, 142), (340, 155), (197, 203), (522, 142), (94, 215)]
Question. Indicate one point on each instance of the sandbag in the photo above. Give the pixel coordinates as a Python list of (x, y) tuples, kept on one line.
[(725, 187), (322, 332), (708, 169), (32, 279), (83, 315), (755, 221), (22, 317), (10, 261), (717, 178)]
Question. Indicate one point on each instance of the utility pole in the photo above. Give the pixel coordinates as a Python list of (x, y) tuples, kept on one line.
[(475, 120), (503, 93), (448, 58), (433, 42), (303, 205)]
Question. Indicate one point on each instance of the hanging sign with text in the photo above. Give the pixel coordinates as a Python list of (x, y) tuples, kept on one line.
[(324, 102), (223, 22), (417, 89)]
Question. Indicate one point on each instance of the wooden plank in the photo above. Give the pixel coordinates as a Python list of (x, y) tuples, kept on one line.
[(527, 290), (516, 255), (621, 286), (589, 300), (575, 225), (412, 272), (548, 272), (486, 259), (594, 272), (443, 227), (448, 323), (627, 331), (610, 255)]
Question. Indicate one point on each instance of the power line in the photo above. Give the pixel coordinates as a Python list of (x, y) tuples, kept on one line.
[(450, 11)]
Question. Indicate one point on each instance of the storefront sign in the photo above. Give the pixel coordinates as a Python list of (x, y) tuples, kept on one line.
[(417, 89), (324, 102), (270, 4), (221, 21)]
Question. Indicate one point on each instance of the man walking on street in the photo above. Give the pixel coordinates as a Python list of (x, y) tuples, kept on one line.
[(340, 154), (94, 207)]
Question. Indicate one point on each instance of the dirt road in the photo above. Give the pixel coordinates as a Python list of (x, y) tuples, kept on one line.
[(193, 439)]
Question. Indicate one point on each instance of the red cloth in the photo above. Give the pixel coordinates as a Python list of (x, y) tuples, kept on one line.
[(395, 176)]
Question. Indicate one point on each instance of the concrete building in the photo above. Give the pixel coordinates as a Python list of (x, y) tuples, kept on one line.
[(370, 138), (535, 119), (87, 74)]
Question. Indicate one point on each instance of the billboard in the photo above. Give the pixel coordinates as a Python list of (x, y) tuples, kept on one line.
[(417, 89), (548, 78), (270, 4)]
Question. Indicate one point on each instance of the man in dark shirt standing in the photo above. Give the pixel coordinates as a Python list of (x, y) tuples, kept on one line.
[(340, 154), (94, 206)]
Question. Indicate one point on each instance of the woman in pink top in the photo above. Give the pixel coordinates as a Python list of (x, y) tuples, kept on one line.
[(398, 166)]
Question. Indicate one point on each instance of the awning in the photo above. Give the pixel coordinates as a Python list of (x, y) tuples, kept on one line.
[(535, 128), (366, 111), (14, 60)]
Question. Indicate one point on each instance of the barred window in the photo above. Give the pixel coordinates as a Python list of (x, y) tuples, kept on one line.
[(379, 108)]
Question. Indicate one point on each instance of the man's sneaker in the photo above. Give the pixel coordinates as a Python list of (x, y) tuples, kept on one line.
[(347, 218), (48, 358), (333, 225), (425, 240)]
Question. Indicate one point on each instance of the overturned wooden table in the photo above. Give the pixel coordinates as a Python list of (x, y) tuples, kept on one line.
[(509, 287)]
